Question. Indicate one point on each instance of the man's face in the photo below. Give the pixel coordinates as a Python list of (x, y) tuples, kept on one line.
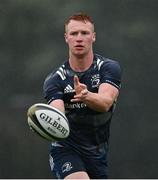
[(80, 37)]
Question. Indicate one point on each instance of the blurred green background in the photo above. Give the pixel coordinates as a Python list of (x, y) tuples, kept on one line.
[(32, 44)]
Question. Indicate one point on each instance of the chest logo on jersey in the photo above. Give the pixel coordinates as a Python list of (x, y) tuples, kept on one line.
[(95, 80), (68, 89), (66, 167)]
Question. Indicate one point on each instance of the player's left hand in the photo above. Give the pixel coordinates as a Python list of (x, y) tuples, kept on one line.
[(80, 89)]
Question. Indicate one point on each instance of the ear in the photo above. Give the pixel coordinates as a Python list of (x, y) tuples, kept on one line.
[(65, 36), (94, 36)]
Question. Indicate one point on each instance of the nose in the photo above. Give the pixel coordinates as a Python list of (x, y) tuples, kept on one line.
[(79, 37)]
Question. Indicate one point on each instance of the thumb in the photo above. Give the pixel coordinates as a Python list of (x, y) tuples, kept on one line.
[(83, 86)]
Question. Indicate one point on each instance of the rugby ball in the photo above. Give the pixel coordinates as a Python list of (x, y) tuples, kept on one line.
[(48, 122)]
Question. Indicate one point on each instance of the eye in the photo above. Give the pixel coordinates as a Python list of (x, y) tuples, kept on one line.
[(85, 32), (73, 33)]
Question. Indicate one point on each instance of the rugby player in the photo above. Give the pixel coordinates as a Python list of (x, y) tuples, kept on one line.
[(85, 87)]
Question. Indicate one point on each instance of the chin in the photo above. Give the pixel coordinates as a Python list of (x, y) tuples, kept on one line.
[(79, 54)]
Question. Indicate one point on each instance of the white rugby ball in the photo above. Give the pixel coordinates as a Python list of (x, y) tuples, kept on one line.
[(48, 122)]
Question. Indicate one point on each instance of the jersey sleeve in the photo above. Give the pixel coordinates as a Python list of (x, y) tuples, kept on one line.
[(51, 88), (111, 73)]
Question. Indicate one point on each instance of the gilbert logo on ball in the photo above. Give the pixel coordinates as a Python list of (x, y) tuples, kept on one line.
[(51, 121), (48, 122)]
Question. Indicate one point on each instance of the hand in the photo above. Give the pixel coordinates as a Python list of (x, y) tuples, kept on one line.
[(77, 85), (80, 89)]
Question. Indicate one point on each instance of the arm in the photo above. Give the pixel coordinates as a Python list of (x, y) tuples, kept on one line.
[(59, 104), (52, 92), (101, 101)]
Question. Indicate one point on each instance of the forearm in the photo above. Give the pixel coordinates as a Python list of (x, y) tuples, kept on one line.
[(98, 102), (59, 104)]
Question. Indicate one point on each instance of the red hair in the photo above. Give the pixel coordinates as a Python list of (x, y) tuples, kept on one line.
[(80, 17)]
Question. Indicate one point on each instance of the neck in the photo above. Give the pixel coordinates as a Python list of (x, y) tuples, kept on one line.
[(81, 63)]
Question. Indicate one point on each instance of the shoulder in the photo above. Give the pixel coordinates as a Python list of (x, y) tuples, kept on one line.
[(109, 70), (57, 74), (101, 60), (104, 63)]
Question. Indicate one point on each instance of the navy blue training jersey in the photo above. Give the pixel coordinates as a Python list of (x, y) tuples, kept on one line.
[(60, 85)]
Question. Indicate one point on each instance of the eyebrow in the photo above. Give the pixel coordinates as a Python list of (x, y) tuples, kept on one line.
[(82, 31)]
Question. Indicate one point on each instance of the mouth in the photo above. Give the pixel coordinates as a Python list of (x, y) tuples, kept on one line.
[(79, 47)]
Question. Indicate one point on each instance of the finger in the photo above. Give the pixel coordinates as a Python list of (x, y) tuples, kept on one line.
[(76, 80), (75, 100), (83, 86), (84, 92), (77, 96)]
